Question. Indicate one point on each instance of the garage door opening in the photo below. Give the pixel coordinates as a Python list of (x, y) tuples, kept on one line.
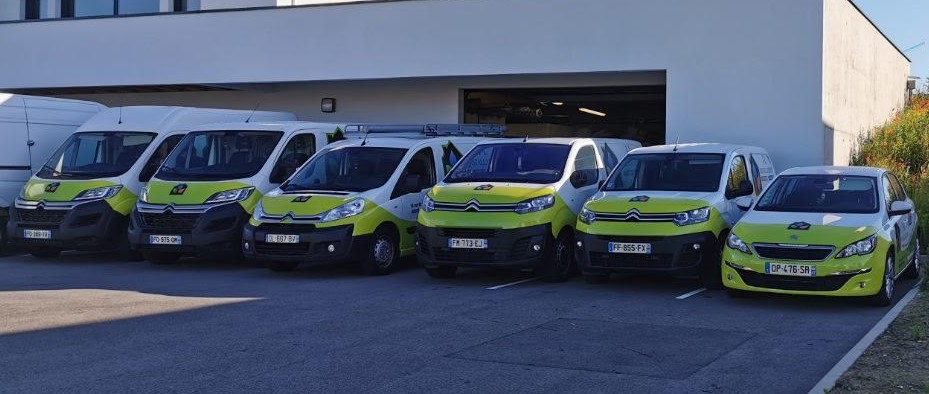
[(631, 112)]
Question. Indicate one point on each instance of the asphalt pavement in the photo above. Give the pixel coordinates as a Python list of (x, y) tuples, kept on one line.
[(88, 323)]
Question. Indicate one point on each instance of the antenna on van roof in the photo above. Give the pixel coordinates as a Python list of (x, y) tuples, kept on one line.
[(677, 141), (364, 141), (526, 139), (120, 120), (253, 112)]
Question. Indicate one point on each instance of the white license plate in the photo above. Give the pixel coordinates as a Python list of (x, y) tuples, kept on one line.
[(630, 248), (37, 234), (165, 239), (790, 269), (282, 239), (467, 243)]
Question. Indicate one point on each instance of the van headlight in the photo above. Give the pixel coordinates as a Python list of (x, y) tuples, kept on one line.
[(587, 216), (692, 217), (428, 204), (736, 243), (343, 211), (859, 248), (230, 195), (100, 193), (258, 212), (535, 204)]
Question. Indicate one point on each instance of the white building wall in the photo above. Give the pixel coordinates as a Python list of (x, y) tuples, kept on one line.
[(11, 10), (864, 79), (225, 4)]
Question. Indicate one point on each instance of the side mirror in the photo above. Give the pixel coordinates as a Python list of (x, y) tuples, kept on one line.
[(900, 208), (582, 178), (745, 189), (744, 203)]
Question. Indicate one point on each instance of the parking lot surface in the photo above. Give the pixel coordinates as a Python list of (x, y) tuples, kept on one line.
[(87, 323)]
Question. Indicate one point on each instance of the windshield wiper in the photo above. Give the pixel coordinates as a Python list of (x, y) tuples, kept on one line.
[(54, 171)]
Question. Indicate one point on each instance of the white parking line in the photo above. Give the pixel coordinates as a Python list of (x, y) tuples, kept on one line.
[(514, 283), (691, 294)]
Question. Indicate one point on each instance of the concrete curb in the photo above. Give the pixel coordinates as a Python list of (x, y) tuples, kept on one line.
[(828, 382)]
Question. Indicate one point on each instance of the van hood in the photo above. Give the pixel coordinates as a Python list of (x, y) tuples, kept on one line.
[(187, 193), (304, 204), (64, 190), (489, 192), (649, 201), (806, 228)]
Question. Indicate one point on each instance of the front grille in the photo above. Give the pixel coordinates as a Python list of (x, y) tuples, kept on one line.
[(634, 216), (277, 228), (41, 216), (168, 221), (796, 253), (468, 233), (621, 260), (797, 283), (271, 249)]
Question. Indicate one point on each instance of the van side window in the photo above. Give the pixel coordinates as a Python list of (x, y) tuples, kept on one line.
[(295, 153), (158, 157), (418, 175), (585, 172), (738, 172)]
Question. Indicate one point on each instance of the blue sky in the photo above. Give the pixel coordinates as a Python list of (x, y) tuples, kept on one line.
[(906, 22)]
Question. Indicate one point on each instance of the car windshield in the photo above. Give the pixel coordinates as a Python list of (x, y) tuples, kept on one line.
[(680, 172), (96, 155), (346, 169), (821, 194), (219, 155), (512, 162)]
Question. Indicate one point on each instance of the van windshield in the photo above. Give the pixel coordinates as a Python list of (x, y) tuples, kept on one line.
[(512, 162), (98, 154), (679, 172), (821, 194), (348, 169), (219, 155)]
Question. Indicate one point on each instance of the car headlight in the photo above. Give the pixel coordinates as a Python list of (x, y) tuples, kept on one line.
[(258, 212), (428, 204), (736, 243), (860, 248), (343, 211), (587, 216), (100, 193), (230, 195), (535, 204), (692, 217)]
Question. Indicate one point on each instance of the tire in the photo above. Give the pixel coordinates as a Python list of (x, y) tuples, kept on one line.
[(559, 265), (443, 272), (161, 258), (383, 253), (711, 270), (4, 240), (912, 271), (596, 279), (885, 296), (281, 266), (44, 253), (125, 250)]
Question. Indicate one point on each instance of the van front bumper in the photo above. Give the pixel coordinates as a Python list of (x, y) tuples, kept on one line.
[(92, 225), (205, 230), (317, 245), (679, 255), (510, 248)]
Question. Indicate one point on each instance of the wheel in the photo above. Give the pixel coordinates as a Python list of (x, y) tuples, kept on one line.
[(383, 253), (596, 279), (912, 271), (4, 241), (161, 258), (44, 253), (558, 266), (443, 272), (281, 266), (125, 251), (885, 295), (711, 270)]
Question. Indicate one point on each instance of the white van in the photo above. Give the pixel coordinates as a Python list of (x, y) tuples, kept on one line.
[(205, 191), (32, 128), (81, 198)]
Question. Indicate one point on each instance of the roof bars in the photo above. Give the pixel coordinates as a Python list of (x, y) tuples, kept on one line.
[(431, 130)]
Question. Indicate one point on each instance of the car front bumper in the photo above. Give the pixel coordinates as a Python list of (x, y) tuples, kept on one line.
[(680, 254), (511, 248), (92, 225), (216, 229), (318, 245), (849, 277)]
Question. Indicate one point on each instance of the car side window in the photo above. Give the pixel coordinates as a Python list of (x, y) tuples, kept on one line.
[(738, 172), (297, 151), (585, 172), (889, 196), (899, 192), (158, 157), (419, 174)]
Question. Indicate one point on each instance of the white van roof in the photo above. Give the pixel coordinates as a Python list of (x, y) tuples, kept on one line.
[(46, 110), (284, 126), (836, 170), (163, 119), (695, 148)]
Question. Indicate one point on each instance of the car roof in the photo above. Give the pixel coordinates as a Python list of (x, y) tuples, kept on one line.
[(836, 170), (411, 142), (284, 126), (695, 148), (547, 140)]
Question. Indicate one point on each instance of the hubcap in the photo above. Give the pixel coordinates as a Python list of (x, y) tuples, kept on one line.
[(383, 252), (889, 278)]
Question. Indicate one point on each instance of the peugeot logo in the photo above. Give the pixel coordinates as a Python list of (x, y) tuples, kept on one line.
[(179, 189), (52, 187), (794, 237)]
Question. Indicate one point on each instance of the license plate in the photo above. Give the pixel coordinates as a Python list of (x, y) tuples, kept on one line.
[(630, 248), (282, 239), (165, 239), (37, 234), (467, 243), (790, 269)]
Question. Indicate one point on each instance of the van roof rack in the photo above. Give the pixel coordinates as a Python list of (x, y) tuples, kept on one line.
[(430, 130)]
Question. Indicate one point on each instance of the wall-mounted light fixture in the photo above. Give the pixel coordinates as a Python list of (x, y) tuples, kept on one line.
[(590, 111), (327, 105)]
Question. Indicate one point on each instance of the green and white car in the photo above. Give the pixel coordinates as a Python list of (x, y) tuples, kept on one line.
[(837, 231)]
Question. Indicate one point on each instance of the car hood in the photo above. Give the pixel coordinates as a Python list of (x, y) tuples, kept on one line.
[(489, 192), (649, 201), (187, 193), (806, 228), (304, 203)]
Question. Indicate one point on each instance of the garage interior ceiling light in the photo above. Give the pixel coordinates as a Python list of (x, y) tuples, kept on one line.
[(557, 103), (590, 111)]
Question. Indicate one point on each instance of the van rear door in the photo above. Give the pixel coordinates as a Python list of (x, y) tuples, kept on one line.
[(14, 154)]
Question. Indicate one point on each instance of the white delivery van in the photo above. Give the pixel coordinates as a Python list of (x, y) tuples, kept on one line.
[(32, 128), (81, 198)]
